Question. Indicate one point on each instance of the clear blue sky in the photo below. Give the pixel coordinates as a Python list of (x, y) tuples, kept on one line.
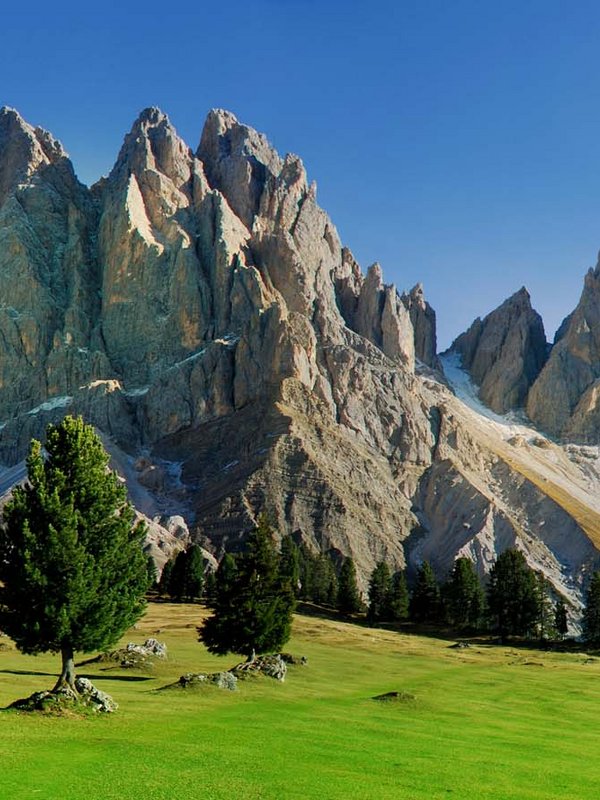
[(455, 142)]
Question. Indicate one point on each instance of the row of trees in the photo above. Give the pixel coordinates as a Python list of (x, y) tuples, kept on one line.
[(517, 600)]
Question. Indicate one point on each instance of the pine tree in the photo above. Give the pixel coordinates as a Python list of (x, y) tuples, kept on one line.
[(164, 583), (425, 600), (463, 598), (512, 595), (545, 614), (590, 622), (398, 598), (380, 585), (561, 622), (324, 587), (289, 563), (177, 577), (72, 570), (210, 588), (193, 581), (253, 605), (348, 597)]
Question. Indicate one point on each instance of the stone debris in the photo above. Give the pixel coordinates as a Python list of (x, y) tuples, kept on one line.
[(273, 666), (222, 680), (151, 647), (64, 699)]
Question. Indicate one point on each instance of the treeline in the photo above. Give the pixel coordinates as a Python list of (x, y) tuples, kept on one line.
[(515, 601)]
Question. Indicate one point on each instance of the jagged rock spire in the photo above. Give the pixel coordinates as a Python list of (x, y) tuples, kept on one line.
[(504, 352)]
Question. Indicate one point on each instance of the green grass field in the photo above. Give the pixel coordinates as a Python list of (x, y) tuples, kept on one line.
[(487, 722)]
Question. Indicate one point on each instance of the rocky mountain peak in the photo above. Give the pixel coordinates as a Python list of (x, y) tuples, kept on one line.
[(24, 150), (238, 161), (504, 352), (153, 145), (565, 399), (422, 317)]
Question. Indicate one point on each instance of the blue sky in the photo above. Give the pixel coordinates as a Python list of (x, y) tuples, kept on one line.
[(454, 142)]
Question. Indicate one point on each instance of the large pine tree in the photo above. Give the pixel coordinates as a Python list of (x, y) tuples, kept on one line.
[(348, 596), (425, 600), (463, 596), (72, 568), (253, 603), (512, 595), (380, 585)]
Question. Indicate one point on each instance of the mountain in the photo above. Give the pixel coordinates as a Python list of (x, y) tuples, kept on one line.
[(505, 352), (199, 308)]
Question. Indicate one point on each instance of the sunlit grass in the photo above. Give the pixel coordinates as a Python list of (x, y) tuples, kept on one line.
[(486, 722)]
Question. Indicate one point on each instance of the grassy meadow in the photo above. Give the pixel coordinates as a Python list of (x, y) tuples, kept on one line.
[(485, 722)]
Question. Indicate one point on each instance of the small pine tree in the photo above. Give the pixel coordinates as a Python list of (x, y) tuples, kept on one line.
[(152, 573), (545, 616), (73, 574), (398, 598), (210, 588), (380, 585), (289, 563), (425, 600), (177, 577), (463, 598), (306, 567), (193, 579), (253, 605), (590, 622), (324, 587), (561, 622), (164, 583), (348, 597)]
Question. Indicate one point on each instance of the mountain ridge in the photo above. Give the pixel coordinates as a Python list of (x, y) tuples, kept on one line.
[(200, 309)]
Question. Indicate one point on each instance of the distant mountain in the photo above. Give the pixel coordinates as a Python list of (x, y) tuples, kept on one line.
[(200, 310)]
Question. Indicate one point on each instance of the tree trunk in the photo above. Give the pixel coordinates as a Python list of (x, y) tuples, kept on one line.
[(67, 675)]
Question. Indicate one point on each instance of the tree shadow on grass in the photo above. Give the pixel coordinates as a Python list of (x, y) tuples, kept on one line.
[(79, 675), (27, 672), (130, 678)]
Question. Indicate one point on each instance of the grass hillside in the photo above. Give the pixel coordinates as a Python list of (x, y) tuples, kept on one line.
[(487, 722)]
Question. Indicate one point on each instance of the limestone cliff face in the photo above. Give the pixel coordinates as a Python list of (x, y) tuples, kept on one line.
[(564, 399), (504, 352), (200, 309), (422, 317)]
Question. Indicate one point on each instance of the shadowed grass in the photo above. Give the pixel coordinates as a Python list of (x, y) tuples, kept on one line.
[(485, 722)]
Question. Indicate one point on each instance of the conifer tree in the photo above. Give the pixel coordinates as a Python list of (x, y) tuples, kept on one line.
[(72, 570), (348, 597), (380, 585), (289, 563), (253, 605), (545, 611), (164, 584), (324, 588), (398, 598), (210, 588), (512, 595), (561, 623), (425, 600), (463, 598), (177, 577), (590, 622)]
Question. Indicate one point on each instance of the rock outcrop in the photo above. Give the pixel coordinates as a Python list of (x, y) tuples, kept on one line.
[(422, 317), (565, 398), (505, 352)]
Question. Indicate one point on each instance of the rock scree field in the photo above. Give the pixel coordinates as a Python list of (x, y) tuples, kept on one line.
[(480, 722)]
